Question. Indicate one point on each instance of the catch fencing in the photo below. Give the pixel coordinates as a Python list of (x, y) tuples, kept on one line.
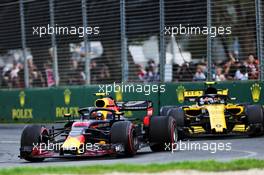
[(82, 42)]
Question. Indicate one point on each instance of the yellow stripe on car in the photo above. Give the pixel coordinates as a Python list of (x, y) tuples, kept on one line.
[(217, 116)]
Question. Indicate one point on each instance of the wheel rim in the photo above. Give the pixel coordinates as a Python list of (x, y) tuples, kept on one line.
[(135, 142), (174, 135), (132, 141)]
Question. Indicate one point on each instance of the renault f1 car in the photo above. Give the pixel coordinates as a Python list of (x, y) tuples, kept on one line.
[(214, 114), (101, 130)]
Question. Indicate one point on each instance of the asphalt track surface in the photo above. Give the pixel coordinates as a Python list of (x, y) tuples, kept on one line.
[(241, 147)]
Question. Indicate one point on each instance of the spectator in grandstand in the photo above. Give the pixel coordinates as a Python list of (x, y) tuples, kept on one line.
[(219, 76), (151, 74), (203, 66), (94, 71), (104, 74), (35, 77), (49, 74), (241, 73), (252, 66), (13, 74), (11, 77), (230, 67), (140, 72), (199, 74), (21, 77), (76, 73), (80, 76), (15, 69), (99, 72), (185, 72)]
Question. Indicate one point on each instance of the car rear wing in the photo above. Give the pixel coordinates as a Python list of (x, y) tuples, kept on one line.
[(134, 105)]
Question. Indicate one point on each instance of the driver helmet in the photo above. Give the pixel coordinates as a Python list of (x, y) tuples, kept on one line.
[(210, 90)]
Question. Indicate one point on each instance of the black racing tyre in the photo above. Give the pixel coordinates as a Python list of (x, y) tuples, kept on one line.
[(254, 114), (162, 132), (164, 110), (255, 119), (32, 135), (178, 115), (123, 132)]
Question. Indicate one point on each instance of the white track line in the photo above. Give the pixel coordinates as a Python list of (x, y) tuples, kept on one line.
[(250, 154), (9, 142)]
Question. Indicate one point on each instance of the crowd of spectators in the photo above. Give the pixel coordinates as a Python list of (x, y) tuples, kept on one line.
[(14, 77), (231, 69), (42, 75), (234, 69), (99, 73), (12, 70)]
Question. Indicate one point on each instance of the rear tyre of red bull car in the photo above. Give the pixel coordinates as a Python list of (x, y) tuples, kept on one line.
[(32, 136), (255, 119), (124, 133), (163, 133)]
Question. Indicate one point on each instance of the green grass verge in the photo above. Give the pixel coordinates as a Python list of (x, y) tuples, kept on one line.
[(209, 165)]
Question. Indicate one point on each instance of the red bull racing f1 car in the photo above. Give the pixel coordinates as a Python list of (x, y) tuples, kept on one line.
[(101, 130)]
